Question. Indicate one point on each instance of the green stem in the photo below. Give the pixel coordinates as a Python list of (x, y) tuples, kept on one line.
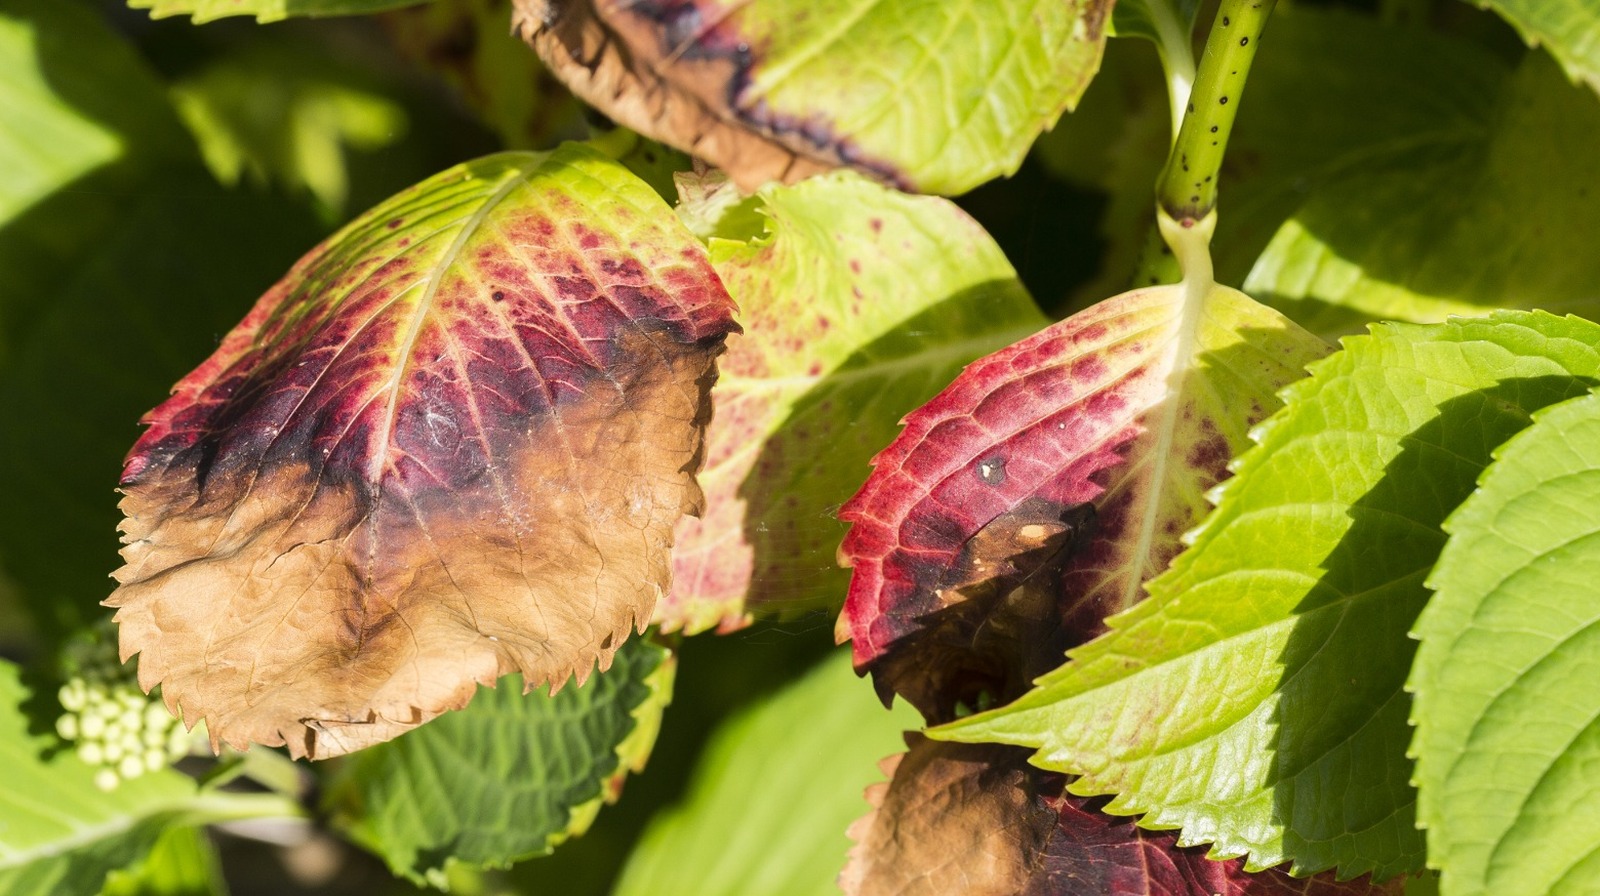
[(1173, 42), (218, 807), (1187, 190), (269, 768)]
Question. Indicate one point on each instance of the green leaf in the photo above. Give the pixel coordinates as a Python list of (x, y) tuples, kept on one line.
[(123, 260), (181, 863), (60, 835), (121, 325), (264, 10), (1506, 702), (279, 112), (858, 303), (774, 791), (1417, 190), (1255, 700), (507, 778), (1162, 22), (1570, 31), (1116, 142), (905, 92), (81, 110)]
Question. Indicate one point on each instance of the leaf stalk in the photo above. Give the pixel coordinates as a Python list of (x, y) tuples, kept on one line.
[(1187, 189)]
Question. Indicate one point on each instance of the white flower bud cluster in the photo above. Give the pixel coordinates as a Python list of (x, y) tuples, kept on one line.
[(113, 724)]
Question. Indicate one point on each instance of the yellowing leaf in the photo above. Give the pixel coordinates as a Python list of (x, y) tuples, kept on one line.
[(858, 303), (452, 443), (936, 97)]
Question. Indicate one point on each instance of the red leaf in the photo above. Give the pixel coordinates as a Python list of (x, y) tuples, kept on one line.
[(450, 444), (1036, 494)]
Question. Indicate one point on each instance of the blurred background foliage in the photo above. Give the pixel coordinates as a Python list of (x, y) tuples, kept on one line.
[(186, 167)]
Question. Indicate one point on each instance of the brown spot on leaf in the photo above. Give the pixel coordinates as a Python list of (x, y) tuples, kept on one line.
[(986, 627)]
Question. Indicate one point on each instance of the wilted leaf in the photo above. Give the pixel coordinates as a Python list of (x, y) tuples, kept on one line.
[(509, 777), (780, 89), (450, 444), (1505, 676), (1038, 492), (976, 819), (263, 10), (1255, 700), (858, 302), (771, 797)]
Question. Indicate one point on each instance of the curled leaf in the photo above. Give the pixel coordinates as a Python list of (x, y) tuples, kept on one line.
[(1038, 492), (452, 443), (1033, 839), (782, 89)]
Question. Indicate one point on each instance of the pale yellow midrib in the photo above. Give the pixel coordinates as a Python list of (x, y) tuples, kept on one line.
[(435, 279)]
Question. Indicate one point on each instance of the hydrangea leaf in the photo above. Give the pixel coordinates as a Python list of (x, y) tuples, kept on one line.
[(1504, 677), (93, 313), (1409, 221), (858, 302), (96, 129), (452, 443), (509, 777), (60, 834), (1038, 492), (976, 819), (183, 862), (1387, 96), (1569, 31), (770, 799), (1255, 700), (264, 10), (780, 89)]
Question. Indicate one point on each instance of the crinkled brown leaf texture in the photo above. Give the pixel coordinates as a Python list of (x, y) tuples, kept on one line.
[(976, 819), (932, 96), (452, 443), (1037, 493)]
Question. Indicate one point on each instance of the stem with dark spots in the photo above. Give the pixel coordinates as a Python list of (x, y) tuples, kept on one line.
[(1187, 190)]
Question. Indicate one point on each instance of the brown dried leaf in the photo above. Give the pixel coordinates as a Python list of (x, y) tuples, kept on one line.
[(452, 443), (977, 820)]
